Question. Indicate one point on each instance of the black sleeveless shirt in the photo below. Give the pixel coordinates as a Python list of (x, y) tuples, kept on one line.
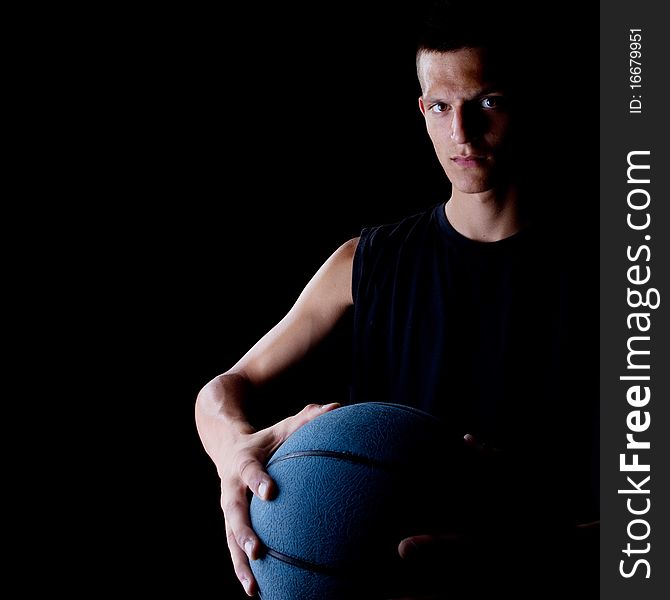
[(484, 335)]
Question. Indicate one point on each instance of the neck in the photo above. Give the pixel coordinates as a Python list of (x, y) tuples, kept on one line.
[(488, 216)]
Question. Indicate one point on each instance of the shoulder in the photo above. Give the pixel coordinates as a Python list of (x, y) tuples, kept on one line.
[(340, 263), (345, 253), (331, 285), (342, 257)]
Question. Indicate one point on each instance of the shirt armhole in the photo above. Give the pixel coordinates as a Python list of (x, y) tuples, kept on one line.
[(359, 257)]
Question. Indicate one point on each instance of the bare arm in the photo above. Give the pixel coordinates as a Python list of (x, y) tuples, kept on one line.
[(238, 451)]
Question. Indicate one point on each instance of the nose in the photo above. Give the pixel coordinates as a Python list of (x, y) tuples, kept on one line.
[(460, 126), (466, 125)]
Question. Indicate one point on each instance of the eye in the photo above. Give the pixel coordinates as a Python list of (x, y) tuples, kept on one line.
[(490, 102), (439, 107)]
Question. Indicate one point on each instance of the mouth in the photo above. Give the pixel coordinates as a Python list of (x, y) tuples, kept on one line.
[(469, 160)]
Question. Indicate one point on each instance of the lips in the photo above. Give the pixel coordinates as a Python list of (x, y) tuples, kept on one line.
[(469, 160)]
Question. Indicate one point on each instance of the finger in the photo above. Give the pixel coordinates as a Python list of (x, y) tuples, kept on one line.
[(472, 442), (240, 563), (286, 427), (252, 471), (255, 477), (419, 545), (236, 511)]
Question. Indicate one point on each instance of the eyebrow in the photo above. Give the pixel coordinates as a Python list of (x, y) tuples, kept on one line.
[(484, 92)]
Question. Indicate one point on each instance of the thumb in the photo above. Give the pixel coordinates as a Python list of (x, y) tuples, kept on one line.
[(419, 546), (311, 411)]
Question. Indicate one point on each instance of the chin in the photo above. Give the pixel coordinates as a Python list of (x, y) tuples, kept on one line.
[(470, 181), (472, 187)]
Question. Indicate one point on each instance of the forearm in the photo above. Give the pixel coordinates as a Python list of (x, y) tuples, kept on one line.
[(220, 410)]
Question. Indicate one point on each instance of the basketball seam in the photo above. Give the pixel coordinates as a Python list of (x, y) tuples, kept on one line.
[(305, 564)]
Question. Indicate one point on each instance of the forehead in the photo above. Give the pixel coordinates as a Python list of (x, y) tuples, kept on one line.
[(460, 72)]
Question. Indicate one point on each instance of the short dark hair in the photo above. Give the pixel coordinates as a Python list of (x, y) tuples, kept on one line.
[(449, 26)]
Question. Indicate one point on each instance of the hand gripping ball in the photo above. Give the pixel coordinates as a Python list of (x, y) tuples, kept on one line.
[(351, 484)]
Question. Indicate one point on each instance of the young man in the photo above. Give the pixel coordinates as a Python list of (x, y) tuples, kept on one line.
[(465, 311)]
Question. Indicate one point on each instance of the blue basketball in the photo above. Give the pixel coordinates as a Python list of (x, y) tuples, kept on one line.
[(351, 484)]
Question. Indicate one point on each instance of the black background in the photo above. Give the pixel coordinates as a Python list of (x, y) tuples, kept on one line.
[(239, 149)]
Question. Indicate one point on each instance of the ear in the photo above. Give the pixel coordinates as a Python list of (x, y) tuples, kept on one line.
[(422, 106)]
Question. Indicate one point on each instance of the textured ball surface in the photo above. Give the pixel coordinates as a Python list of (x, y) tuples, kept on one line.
[(351, 485)]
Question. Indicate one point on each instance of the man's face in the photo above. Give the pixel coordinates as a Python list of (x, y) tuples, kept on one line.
[(468, 118)]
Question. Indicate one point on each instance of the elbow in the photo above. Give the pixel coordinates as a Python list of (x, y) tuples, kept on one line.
[(205, 401), (211, 397)]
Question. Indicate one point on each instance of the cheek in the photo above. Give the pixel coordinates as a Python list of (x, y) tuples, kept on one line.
[(498, 133), (439, 133)]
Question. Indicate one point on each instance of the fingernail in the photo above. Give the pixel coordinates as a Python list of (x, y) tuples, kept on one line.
[(248, 548), (263, 489), (331, 405), (410, 549), (245, 584)]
